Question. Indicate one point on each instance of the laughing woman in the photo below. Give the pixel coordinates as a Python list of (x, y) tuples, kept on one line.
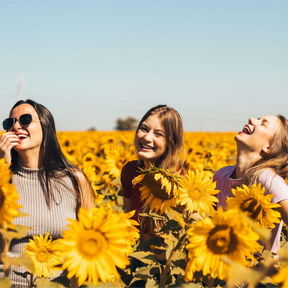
[(50, 188), (262, 157)]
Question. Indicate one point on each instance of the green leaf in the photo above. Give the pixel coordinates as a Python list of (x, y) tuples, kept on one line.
[(43, 282), (170, 225), (239, 274), (22, 260), (145, 246), (145, 257), (178, 210), (5, 282), (181, 283), (18, 233), (154, 216), (101, 284), (151, 283)]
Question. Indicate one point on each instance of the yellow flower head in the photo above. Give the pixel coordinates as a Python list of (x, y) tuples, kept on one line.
[(8, 198), (94, 246), (224, 234), (45, 255), (116, 159), (159, 188), (196, 192), (257, 206)]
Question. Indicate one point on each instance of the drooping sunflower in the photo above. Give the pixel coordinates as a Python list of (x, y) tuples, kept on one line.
[(257, 206), (117, 158), (94, 246), (8, 198), (196, 192), (45, 255), (224, 234), (159, 188)]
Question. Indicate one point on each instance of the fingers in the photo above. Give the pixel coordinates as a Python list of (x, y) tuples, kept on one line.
[(7, 141)]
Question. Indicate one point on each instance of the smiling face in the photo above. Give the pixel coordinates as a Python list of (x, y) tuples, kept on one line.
[(30, 136), (256, 136), (150, 141)]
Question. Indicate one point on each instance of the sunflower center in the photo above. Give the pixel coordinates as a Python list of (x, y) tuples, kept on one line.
[(155, 187), (1, 198), (120, 163), (252, 206), (196, 192), (222, 240), (91, 244), (42, 254)]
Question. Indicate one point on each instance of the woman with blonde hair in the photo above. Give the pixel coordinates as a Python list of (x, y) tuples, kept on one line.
[(262, 157)]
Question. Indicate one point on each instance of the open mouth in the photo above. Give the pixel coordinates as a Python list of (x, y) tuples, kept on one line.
[(22, 136), (247, 130), (143, 146)]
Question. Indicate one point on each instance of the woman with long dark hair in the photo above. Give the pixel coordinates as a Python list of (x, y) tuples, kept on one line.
[(50, 188)]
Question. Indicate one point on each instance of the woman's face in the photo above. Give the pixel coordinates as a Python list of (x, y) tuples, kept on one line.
[(150, 141), (256, 136), (30, 136)]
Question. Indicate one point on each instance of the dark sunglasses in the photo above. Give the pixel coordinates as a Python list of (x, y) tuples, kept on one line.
[(24, 120)]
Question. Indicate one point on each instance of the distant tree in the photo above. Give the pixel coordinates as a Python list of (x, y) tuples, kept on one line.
[(92, 129), (130, 123)]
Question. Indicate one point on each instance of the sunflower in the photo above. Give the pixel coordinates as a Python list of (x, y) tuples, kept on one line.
[(94, 246), (159, 188), (45, 255), (116, 159), (257, 206), (224, 234), (8, 198), (196, 192)]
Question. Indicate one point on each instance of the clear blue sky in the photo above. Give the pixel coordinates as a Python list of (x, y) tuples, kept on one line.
[(89, 62)]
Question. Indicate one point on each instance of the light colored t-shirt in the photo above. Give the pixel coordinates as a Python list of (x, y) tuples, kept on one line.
[(273, 184)]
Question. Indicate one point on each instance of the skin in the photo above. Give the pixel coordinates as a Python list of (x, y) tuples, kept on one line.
[(252, 143), (30, 149), (150, 144)]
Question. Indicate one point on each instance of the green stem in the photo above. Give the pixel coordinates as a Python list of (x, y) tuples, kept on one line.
[(163, 277)]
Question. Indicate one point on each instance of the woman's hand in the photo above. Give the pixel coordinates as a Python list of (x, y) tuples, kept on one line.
[(7, 141)]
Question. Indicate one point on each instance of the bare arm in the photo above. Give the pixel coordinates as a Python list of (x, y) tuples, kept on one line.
[(87, 200), (283, 210)]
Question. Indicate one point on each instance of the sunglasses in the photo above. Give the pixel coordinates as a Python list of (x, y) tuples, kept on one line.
[(24, 120)]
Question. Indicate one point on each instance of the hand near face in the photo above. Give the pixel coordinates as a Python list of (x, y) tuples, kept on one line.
[(8, 140)]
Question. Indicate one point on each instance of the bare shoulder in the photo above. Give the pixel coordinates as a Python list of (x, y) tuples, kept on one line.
[(79, 174)]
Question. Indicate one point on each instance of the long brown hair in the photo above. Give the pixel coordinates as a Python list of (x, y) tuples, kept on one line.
[(174, 135), (277, 158)]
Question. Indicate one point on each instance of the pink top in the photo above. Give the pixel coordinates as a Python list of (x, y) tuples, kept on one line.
[(273, 184)]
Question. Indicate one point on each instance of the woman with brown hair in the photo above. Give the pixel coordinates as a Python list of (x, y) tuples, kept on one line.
[(159, 140)]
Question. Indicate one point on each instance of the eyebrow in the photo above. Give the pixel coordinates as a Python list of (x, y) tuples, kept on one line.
[(157, 130), (264, 120)]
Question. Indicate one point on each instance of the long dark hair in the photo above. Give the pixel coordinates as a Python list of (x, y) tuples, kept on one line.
[(55, 164), (174, 135)]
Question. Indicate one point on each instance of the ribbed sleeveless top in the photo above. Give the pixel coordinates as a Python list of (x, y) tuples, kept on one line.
[(31, 193)]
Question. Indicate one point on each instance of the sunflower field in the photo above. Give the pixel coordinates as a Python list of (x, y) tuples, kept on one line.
[(190, 244)]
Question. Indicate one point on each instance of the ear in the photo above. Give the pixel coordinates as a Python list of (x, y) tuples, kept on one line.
[(266, 150)]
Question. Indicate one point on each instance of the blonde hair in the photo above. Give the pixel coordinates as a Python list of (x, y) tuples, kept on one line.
[(277, 158), (174, 135)]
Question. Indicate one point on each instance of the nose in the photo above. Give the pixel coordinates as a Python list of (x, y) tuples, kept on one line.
[(252, 121), (148, 136), (16, 125)]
